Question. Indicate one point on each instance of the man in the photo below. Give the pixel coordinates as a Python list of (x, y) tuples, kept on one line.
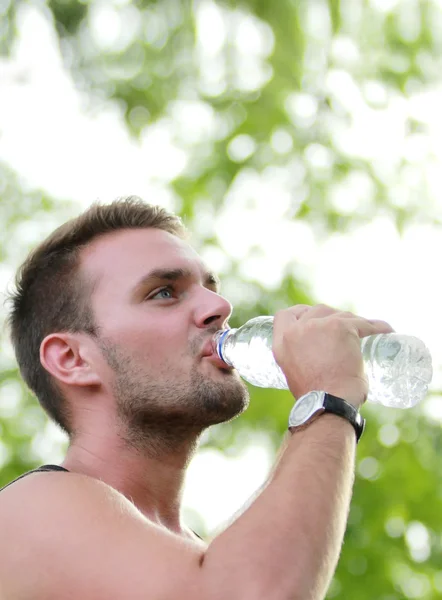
[(112, 323)]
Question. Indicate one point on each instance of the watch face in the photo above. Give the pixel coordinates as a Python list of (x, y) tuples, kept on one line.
[(306, 407)]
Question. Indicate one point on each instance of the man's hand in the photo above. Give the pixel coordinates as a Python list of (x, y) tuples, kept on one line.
[(319, 348)]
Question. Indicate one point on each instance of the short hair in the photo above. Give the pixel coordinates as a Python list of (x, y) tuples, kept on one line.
[(51, 295)]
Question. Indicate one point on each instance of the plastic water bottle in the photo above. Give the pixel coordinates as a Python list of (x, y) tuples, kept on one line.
[(398, 367)]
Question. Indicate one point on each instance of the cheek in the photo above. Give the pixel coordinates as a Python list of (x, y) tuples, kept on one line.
[(156, 344), (153, 337)]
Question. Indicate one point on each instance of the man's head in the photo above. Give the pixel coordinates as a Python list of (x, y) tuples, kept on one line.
[(117, 302)]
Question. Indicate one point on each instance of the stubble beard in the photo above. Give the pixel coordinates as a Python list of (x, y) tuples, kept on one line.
[(162, 414)]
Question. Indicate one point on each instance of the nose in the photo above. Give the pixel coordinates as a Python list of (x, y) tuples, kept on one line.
[(212, 309)]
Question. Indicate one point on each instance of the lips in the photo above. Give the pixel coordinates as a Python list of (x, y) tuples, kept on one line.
[(209, 352), (208, 348)]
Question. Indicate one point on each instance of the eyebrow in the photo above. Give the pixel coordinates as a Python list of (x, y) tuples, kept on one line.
[(210, 279)]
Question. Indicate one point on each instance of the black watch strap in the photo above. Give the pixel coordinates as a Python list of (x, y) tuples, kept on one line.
[(340, 407)]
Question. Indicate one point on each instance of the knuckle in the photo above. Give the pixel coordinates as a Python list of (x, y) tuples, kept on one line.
[(300, 308), (291, 311), (337, 323), (324, 306), (324, 310), (347, 313)]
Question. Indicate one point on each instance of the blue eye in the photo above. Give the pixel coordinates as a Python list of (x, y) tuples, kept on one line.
[(166, 290)]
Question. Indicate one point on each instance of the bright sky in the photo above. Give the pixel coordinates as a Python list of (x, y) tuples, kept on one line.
[(48, 138)]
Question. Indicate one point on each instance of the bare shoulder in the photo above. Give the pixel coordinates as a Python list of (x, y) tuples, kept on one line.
[(76, 537)]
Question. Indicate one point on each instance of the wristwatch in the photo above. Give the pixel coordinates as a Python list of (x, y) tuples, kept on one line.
[(313, 404)]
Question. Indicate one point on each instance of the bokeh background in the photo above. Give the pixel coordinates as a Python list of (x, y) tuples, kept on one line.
[(301, 142)]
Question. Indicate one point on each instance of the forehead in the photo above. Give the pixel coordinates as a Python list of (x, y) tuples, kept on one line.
[(120, 258)]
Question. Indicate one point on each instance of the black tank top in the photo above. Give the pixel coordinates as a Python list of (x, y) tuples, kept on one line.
[(41, 469)]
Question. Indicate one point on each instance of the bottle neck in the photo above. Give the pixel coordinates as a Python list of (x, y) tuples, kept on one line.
[(219, 340)]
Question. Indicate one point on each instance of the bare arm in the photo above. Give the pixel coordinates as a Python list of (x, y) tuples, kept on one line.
[(286, 545), (78, 538)]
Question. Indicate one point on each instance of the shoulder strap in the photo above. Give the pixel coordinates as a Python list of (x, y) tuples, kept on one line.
[(42, 469)]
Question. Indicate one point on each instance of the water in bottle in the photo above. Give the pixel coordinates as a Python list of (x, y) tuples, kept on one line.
[(398, 367)]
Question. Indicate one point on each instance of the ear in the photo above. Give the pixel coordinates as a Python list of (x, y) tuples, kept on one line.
[(65, 357)]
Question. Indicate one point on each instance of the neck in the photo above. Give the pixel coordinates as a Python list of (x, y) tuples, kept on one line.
[(149, 475)]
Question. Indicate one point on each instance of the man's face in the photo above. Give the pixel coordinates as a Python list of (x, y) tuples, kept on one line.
[(156, 308)]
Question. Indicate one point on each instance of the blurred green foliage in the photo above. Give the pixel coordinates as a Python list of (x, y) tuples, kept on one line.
[(276, 80)]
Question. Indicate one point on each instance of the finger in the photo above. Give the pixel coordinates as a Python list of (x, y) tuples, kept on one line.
[(314, 312), (366, 327), (382, 324), (377, 322), (323, 310), (293, 311), (300, 309)]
